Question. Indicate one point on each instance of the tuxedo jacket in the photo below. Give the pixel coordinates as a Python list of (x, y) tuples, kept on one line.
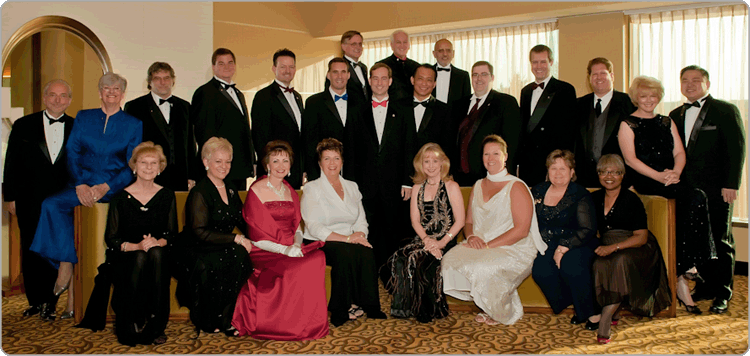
[(176, 138), (499, 114), (620, 107), (716, 147), (273, 119), (459, 86), (401, 87), (214, 113), (321, 120), (554, 127), (381, 168), (30, 176), (436, 126)]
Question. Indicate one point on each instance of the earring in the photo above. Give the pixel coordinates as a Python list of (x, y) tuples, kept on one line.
[(206, 167), (134, 171), (289, 174), (158, 173)]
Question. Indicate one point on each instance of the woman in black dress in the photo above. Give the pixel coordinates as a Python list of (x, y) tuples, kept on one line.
[(437, 215), (629, 270), (651, 145), (213, 261), (141, 221)]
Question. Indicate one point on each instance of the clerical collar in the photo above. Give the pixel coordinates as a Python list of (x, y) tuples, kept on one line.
[(350, 59), (51, 117), (156, 97), (222, 81)]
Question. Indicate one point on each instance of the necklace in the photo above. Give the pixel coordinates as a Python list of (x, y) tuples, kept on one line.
[(428, 182), (220, 187), (279, 192)]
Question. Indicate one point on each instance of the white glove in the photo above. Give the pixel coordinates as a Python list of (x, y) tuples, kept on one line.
[(291, 251)]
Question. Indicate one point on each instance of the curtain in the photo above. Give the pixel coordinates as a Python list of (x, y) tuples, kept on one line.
[(715, 38)]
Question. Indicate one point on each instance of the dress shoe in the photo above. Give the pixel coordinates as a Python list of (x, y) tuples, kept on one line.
[(603, 339), (67, 315), (592, 326), (574, 320), (719, 306), (376, 314), (339, 318), (33, 310), (160, 340), (692, 309), (48, 312)]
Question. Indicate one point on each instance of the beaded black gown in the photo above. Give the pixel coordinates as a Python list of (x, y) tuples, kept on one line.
[(415, 273), (210, 268), (653, 146)]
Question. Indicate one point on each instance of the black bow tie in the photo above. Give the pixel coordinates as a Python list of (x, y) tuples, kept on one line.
[(53, 121), (535, 85), (226, 86), (689, 105), (445, 69), (423, 103), (167, 100)]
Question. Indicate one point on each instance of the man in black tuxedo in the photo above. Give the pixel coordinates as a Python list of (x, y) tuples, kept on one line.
[(484, 113), (715, 151), (401, 67), (383, 157), (452, 83), (219, 109), (277, 114), (166, 123), (547, 116), (429, 119), (331, 113), (599, 115), (35, 168)]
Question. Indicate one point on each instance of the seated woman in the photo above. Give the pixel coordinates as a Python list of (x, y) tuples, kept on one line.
[(141, 220), (98, 149), (651, 145), (332, 210), (567, 223), (502, 240), (629, 270), (285, 297), (437, 215), (211, 260)]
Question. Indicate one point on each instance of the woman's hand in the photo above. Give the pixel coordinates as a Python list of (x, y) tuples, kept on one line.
[(99, 191), (85, 195), (476, 243), (559, 252), (435, 251), (668, 177), (605, 250), (244, 242), (147, 243), (358, 237)]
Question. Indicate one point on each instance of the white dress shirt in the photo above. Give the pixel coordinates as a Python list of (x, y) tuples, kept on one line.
[(537, 93), (324, 212), (442, 84), (54, 134), (419, 112), (340, 105), (292, 103), (691, 115), (473, 101), (165, 108), (605, 99), (232, 93), (357, 70), (378, 115)]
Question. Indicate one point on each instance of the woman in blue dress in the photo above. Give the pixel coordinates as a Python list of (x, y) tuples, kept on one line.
[(99, 148)]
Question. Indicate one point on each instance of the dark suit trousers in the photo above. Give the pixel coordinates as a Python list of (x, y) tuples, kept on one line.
[(571, 283), (38, 275), (718, 274), (387, 225)]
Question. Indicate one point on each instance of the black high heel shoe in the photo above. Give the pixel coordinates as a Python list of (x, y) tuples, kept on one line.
[(692, 309)]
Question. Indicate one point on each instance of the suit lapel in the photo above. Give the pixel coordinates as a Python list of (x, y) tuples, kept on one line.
[(541, 106), (482, 112), (613, 116), (390, 123), (453, 80), (698, 124), (66, 134), (224, 92), (157, 115), (282, 99), (332, 107), (427, 115), (42, 138)]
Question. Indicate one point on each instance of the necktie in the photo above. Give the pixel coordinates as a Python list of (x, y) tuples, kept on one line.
[(336, 97), (598, 107), (423, 103), (463, 136), (287, 89), (382, 103), (53, 121), (445, 69), (689, 105), (162, 101), (535, 85)]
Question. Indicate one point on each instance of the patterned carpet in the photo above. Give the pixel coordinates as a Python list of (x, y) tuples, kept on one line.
[(456, 334)]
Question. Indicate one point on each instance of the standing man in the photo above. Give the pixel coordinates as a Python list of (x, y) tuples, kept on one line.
[(219, 109), (547, 114), (383, 160), (277, 114), (452, 83), (599, 115), (351, 46), (401, 67), (715, 151), (36, 168), (331, 113), (429, 119), (166, 123), (484, 113)]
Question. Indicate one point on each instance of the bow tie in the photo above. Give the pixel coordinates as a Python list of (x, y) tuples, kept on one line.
[(535, 85), (423, 103), (53, 121), (689, 105), (336, 97), (445, 69), (162, 101), (226, 86), (354, 64), (287, 89), (382, 103)]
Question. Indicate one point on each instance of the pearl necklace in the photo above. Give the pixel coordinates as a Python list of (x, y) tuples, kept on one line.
[(279, 192)]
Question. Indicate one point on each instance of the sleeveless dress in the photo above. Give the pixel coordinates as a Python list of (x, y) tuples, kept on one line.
[(284, 298), (415, 273), (490, 277), (653, 146)]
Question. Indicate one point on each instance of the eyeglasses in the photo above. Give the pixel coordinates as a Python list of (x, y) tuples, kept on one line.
[(606, 173)]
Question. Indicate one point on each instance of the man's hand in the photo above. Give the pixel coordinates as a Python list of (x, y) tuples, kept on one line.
[(11, 207), (729, 195), (406, 193)]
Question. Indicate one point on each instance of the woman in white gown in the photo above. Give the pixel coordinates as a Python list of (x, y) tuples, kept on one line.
[(502, 241)]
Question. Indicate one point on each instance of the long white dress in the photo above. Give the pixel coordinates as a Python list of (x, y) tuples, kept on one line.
[(490, 277)]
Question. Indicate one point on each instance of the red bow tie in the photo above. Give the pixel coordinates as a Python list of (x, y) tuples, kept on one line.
[(287, 89), (382, 103)]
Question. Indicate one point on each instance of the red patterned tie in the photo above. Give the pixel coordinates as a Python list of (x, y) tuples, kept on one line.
[(463, 134)]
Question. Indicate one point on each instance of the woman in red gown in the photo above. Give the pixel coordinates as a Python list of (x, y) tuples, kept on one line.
[(284, 298)]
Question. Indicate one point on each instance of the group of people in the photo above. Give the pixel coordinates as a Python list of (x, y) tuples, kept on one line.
[(411, 135)]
